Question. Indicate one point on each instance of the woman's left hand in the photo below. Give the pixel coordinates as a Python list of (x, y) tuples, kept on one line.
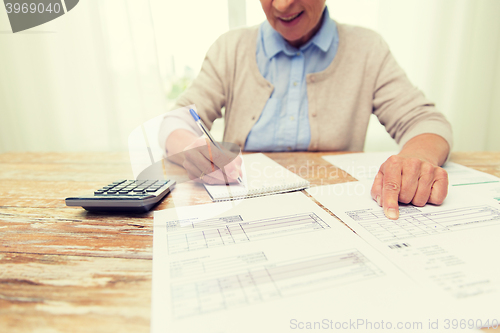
[(408, 179)]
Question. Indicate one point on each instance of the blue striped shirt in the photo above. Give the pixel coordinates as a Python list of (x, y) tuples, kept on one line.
[(284, 123)]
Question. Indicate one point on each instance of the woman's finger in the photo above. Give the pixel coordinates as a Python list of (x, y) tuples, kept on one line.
[(439, 188), (425, 182), (409, 179), (391, 186)]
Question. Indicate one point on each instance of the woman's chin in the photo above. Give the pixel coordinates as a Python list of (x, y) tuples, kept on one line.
[(292, 35), (294, 39)]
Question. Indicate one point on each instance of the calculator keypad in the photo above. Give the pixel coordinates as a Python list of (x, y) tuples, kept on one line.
[(131, 187)]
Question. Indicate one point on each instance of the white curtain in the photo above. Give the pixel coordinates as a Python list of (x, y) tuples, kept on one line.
[(84, 81), (81, 82)]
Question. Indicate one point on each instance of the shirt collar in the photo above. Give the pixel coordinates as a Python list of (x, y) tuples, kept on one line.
[(274, 43)]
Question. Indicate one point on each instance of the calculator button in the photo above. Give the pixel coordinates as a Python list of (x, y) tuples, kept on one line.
[(151, 190), (123, 192), (112, 192), (99, 192), (119, 182)]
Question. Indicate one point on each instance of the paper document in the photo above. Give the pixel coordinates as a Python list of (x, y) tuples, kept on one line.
[(452, 248), (361, 166), (365, 166), (460, 175), (275, 264)]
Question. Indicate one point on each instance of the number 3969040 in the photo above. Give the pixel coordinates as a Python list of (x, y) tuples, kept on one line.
[(32, 8)]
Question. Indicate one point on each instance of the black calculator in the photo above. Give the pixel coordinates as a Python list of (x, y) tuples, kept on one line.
[(134, 196)]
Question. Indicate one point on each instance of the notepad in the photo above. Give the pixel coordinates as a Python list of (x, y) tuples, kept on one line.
[(261, 176)]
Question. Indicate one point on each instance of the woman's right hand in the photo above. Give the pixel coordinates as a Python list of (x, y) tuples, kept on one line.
[(193, 153), (205, 163)]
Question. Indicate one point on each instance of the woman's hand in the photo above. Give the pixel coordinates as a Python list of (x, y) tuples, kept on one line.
[(204, 162), (413, 176), (408, 179)]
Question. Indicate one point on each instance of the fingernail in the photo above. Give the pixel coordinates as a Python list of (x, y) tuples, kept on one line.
[(378, 200), (392, 213)]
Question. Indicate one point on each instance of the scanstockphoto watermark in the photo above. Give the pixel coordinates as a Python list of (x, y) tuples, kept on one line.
[(354, 324), (367, 324), (26, 14)]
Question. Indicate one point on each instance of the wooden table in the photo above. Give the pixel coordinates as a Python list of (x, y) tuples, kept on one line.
[(63, 269)]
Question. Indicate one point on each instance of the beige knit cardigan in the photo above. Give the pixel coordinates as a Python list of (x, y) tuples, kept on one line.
[(363, 78)]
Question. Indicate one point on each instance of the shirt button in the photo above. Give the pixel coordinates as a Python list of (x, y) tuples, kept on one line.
[(253, 118), (292, 118), (295, 83)]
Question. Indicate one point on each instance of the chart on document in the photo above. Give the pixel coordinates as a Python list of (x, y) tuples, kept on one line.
[(452, 247), (413, 222), (239, 282), (190, 234), (219, 265)]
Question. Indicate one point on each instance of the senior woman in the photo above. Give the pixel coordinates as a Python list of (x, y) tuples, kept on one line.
[(301, 81)]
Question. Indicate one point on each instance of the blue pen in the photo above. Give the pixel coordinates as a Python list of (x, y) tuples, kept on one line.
[(205, 130)]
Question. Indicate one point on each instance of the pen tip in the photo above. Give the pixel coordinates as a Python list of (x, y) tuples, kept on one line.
[(194, 114)]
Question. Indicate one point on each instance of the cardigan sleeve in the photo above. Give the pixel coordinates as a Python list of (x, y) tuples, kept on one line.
[(401, 107), (207, 95)]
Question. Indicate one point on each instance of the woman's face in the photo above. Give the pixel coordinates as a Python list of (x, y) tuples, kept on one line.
[(296, 20)]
